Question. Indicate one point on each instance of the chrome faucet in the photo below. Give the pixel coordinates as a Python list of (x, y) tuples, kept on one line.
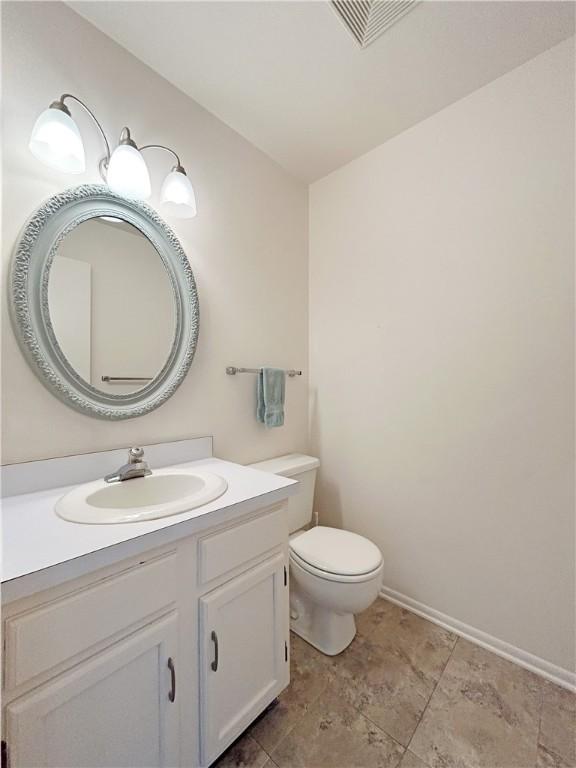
[(136, 467)]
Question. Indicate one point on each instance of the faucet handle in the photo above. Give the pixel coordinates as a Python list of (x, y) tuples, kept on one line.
[(135, 455)]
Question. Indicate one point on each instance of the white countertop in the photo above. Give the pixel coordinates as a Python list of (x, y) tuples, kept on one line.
[(40, 549)]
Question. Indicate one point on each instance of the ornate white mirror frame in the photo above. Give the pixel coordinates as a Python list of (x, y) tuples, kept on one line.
[(28, 286)]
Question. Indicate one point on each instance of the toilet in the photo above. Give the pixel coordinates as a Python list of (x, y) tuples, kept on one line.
[(334, 574)]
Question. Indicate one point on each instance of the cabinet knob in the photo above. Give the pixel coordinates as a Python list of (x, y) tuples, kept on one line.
[(214, 664), (172, 668)]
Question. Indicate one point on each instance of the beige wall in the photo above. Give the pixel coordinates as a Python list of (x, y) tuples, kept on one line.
[(441, 334), (247, 246)]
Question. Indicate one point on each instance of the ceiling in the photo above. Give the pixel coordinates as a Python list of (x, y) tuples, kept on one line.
[(290, 78)]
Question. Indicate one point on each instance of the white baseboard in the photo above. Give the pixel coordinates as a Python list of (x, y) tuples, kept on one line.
[(539, 666)]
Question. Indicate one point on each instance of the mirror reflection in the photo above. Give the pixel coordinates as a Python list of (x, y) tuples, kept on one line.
[(111, 305)]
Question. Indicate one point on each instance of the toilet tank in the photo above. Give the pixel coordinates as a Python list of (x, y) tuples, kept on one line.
[(299, 467)]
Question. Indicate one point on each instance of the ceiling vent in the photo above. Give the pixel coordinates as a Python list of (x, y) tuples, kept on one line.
[(368, 19)]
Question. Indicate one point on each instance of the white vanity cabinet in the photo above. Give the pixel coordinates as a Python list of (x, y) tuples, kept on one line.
[(162, 659), (113, 709), (244, 652)]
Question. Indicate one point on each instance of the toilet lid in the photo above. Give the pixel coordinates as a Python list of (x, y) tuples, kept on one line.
[(336, 551)]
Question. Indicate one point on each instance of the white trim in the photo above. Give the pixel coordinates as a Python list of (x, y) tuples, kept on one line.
[(552, 672)]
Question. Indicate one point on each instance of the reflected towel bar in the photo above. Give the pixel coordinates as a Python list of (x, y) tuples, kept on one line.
[(231, 370), (126, 378)]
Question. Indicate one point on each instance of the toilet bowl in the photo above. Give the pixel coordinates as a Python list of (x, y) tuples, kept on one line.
[(334, 574)]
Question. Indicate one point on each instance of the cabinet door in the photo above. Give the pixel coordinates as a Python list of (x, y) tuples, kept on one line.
[(244, 652), (111, 710)]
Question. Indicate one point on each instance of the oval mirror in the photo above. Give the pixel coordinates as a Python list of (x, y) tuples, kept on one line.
[(104, 302)]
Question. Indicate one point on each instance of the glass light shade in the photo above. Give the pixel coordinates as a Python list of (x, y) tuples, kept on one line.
[(56, 141), (177, 195), (128, 173)]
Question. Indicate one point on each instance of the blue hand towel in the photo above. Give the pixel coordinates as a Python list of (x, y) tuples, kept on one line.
[(270, 397)]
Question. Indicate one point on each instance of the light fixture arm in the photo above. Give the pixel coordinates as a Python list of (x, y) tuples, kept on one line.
[(166, 149), (61, 105)]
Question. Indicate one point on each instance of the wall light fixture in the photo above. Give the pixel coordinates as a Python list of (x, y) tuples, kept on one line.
[(57, 142)]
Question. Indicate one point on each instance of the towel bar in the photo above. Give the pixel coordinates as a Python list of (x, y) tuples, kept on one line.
[(231, 370)]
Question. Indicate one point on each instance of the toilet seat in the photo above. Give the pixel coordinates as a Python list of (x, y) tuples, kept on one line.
[(336, 555), (336, 577)]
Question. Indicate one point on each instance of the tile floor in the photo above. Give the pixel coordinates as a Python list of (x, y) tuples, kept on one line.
[(409, 694)]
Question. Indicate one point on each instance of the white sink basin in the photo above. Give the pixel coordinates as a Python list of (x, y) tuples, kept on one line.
[(165, 492)]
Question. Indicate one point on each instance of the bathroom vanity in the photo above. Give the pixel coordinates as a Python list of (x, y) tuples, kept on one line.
[(146, 644)]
